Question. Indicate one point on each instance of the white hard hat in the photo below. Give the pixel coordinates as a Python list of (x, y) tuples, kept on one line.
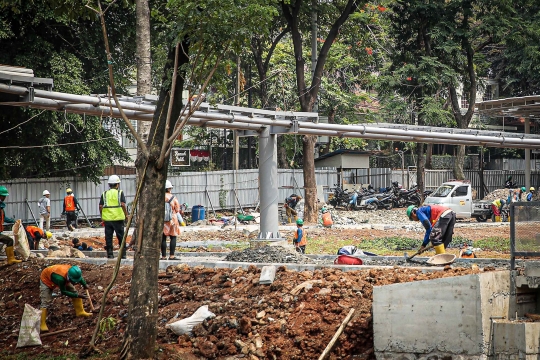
[(114, 179), (46, 192), (168, 185)]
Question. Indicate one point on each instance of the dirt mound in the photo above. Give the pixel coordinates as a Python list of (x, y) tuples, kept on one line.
[(268, 254), (497, 194)]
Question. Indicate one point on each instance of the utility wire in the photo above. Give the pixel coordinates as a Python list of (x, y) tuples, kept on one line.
[(24, 122), (54, 145)]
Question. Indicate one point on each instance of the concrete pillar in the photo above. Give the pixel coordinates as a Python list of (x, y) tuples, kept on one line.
[(268, 185), (527, 156)]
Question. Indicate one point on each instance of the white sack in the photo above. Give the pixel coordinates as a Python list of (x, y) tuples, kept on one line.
[(30, 326), (185, 326), (21, 241)]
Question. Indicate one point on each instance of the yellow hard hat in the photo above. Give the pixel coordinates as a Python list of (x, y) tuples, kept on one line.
[(68, 190), (49, 234), (532, 188)]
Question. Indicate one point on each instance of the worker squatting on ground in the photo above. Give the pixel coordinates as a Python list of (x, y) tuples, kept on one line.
[(113, 211), (62, 276), (300, 237), (530, 195), (70, 209), (45, 210), (4, 238), (34, 235), (171, 225), (290, 204), (496, 207), (439, 223)]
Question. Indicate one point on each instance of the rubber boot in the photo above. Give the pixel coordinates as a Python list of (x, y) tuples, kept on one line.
[(289, 220), (43, 326), (439, 249), (497, 218), (11, 256), (79, 309)]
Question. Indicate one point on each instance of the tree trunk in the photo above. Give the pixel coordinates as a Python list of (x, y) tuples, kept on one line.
[(141, 330), (459, 161), (310, 184), (429, 156), (420, 166), (144, 60)]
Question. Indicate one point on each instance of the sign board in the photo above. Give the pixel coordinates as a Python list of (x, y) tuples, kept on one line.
[(180, 157)]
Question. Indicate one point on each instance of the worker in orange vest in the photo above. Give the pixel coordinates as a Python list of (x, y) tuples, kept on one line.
[(300, 237), (326, 218), (62, 276), (439, 223), (70, 207), (34, 235)]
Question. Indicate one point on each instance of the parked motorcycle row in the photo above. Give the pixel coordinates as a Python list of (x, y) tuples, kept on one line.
[(370, 199)]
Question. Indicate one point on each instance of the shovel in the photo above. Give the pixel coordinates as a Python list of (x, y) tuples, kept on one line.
[(417, 253)]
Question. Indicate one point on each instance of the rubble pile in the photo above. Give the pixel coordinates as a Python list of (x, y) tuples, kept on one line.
[(268, 254), (397, 217), (497, 194), (294, 317)]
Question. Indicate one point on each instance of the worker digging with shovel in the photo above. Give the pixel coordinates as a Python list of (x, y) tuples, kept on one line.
[(62, 276), (439, 223)]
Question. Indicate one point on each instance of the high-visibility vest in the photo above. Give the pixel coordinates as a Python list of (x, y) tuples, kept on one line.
[(69, 201), (327, 219), (46, 275), (436, 212), (302, 242), (32, 230), (112, 209)]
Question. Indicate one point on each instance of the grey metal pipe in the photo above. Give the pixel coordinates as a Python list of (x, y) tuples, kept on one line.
[(268, 183)]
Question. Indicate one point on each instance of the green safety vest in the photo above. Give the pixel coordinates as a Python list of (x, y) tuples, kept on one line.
[(112, 209)]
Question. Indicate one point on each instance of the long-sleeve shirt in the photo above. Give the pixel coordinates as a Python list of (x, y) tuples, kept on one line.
[(300, 233), (61, 282), (3, 217), (424, 216), (529, 196)]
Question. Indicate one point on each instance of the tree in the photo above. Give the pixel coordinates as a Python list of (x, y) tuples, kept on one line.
[(337, 13)]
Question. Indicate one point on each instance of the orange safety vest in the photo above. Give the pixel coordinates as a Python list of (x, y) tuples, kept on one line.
[(70, 203), (327, 219), (32, 230), (46, 274), (302, 242), (436, 212)]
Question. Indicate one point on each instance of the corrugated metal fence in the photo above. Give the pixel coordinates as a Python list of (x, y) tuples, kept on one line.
[(211, 189)]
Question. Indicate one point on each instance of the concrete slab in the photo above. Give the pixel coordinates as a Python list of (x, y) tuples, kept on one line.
[(516, 340)]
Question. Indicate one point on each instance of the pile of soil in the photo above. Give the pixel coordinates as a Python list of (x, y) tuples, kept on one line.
[(268, 254), (259, 321)]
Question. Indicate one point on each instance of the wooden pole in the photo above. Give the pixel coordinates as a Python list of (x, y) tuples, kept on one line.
[(57, 332), (90, 299), (332, 342)]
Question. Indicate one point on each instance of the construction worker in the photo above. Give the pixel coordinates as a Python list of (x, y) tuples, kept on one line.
[(4, 238), (171, 225), (290, 204), (113, 211), (64, 277), (496, 207), (530, 195), (70, 207), (326, 218), (467, 252), (300, 237), (522, 191), (439, 223), (45, 210), (34, 234)]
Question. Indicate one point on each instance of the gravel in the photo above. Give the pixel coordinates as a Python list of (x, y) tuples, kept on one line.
[(268, 254)]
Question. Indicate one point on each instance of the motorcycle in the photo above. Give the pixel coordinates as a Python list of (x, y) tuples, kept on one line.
[(340, 197), (386, 201)]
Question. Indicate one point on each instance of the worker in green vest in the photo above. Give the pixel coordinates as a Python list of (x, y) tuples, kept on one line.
[(112, 207)]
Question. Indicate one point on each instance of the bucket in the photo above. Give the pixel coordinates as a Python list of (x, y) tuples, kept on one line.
[(197, 213)]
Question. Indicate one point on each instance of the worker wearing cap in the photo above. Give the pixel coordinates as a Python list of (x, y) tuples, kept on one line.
[(64, 277), (530, 195), (290, 204), (439, 223), (496, 207), (4, 238), (45, 210), (34, 235), (112, 207), (522, 191), (70, 207), (300, 237)]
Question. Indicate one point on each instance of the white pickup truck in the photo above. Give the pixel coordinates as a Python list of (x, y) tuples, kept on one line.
[(457, 195)]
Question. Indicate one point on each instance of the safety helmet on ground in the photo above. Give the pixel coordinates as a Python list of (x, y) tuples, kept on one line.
[(49, 234), (114, 179), (523, 188), (299, 222), (532, 188), (75, 274), (410, 210), (3, 191), (46, 192), (168, 185), (69, 191)]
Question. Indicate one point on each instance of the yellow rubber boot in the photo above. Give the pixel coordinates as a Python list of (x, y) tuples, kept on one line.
[(79, 309), (289, 220), (11, 256), (43, 326), (497, 218), (439, 249)]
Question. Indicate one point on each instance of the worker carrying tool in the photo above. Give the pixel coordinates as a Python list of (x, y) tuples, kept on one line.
[(34, 235), (70, 209), (530, 195), (4, 238), (496, 207), (439, 223), (300, 237), (290, 204), (64, 277)]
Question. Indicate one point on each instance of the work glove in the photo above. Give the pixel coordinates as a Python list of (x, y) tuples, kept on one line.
[(85, 286), (83, 296)]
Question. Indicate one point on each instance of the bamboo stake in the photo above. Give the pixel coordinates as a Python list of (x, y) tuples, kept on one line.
[(89, 298), (332, 342), (57, 332)]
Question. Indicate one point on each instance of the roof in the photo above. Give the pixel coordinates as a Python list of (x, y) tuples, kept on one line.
[(344, 151), (526, 106)]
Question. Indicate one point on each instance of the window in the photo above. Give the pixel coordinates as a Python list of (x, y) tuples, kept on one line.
[(461, 191), (443, 191), (126, 141), (488, 94), (464, 102)]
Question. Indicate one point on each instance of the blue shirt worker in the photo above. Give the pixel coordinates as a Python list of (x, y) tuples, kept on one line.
[(530, 195), (4, 238), (439, 223), (300, 237), (112, 208), (290, 204)]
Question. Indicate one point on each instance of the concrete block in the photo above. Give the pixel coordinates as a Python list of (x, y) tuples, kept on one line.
[(268, 274), (532, 268), (513, 338)]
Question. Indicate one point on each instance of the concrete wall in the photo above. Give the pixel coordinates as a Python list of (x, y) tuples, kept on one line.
[(439, 318), (516, 340), (345, 161)]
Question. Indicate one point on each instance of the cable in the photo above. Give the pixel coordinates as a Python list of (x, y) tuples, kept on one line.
[(53, 145), (24, 122)]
